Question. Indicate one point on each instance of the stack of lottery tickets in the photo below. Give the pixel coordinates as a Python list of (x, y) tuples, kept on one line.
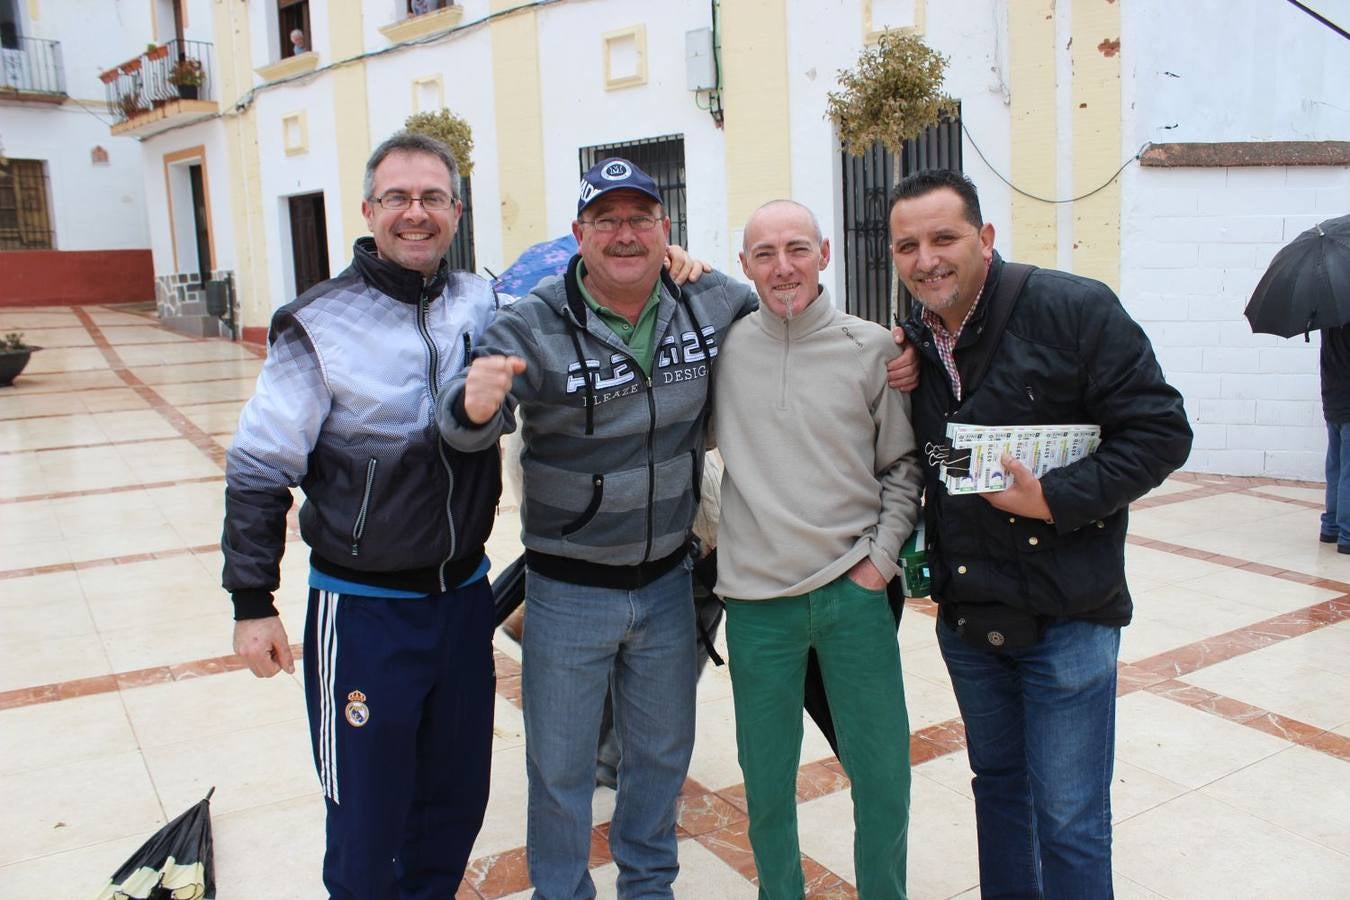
[(1038, 447)]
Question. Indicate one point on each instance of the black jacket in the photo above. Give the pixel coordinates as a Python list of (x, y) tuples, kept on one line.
[(1336, 374), (1070, 354), (345, 409)]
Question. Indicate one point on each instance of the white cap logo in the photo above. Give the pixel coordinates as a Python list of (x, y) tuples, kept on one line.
[(616, 171)]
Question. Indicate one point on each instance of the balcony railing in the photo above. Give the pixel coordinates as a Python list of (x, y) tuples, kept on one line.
[(175, 70), (34, 67)]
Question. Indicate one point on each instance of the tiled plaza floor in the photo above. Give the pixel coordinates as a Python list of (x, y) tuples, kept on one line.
[(120, 706)]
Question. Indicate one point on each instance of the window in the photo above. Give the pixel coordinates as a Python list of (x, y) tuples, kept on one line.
[(868, 182), (422, 7), (292, 16), (25, 220), (10, 27), (663, 159)]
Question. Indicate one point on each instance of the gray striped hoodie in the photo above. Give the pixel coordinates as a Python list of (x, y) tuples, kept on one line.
[(612, 458)]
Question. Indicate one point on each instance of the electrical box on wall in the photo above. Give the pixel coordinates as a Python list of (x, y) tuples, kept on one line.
[(699, 66)]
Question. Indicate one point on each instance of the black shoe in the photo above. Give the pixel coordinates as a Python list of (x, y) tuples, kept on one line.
[(606, 776), (1343, 548), (1327, 538)]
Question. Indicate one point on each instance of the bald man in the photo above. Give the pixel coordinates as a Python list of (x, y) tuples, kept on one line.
[(821, 488)]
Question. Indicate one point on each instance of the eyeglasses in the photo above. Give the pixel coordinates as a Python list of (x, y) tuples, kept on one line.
[(610, 224), (398, 200)]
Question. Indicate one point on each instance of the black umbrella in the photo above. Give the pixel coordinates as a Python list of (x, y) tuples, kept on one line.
[(1307, 285), (508, 589), (177, 863)]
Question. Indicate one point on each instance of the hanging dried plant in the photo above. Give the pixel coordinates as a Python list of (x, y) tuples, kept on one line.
[(893, 94), (450, 130)]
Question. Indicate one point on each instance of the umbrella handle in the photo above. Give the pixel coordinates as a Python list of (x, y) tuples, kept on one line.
[(210, 792)]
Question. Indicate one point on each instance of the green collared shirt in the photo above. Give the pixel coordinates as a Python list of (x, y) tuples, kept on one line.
[(640, 338)]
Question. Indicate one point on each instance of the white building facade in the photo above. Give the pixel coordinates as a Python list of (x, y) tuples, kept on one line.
[(72, 208), (1237, 105)]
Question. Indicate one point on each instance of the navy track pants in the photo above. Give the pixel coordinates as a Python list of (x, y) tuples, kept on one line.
[(400, 695)]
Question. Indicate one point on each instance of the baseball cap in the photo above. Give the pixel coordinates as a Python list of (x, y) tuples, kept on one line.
[(612, 174)]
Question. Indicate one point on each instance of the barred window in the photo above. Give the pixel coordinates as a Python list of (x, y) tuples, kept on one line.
[(868, 182), (25, 216), (663, 159)]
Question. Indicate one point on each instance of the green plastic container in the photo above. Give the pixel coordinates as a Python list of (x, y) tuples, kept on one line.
[(914, 579)]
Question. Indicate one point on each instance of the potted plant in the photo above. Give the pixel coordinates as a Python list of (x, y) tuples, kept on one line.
[(156, 51), (14, 355), (130, 105), (186, 75)]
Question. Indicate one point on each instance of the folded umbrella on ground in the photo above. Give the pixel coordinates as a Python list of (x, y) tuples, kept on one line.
[(177, 863), (1307, 285)]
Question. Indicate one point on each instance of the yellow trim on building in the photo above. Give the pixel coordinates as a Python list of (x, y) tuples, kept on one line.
[(520, 130), (871, 31), (352, 120), (33, 6), (1096, 140), (420, 26), (1034, 136), (291, 65), (234, 74), (611, 41), (419, 85), (755, 97)]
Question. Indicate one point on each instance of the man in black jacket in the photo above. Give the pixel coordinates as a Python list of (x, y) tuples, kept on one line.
[(1030, 581), (1336, 410)]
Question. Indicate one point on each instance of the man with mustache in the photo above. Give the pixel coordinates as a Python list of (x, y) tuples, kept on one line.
[(610, 364), (1030, 581)]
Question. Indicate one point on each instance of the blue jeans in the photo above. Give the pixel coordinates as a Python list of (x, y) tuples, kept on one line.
[(1336, 520), (578, 641), (1040, 734)]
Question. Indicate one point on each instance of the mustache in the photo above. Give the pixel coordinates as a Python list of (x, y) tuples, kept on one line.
[(625, 250)]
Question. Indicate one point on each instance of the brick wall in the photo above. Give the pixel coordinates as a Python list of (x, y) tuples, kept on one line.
[(1195, 243)]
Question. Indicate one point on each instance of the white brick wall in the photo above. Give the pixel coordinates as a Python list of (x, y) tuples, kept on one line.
[(1195, 242)]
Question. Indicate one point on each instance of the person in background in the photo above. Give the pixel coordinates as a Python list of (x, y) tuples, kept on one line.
[(1336, 410)]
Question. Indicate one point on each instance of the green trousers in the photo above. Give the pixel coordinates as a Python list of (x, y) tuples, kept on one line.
[(853, 633)]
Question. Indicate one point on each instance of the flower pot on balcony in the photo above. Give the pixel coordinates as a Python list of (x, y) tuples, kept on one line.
[(188, 91), (12, 362)]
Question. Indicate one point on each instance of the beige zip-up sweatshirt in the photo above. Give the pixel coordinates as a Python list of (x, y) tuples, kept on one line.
[(821, 463)]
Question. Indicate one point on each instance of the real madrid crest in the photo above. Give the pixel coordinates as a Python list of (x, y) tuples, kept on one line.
[(358, 713)]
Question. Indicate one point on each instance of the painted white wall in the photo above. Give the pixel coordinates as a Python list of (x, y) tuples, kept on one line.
[(579, 112), (94, 206), (285, 176), (160, 196), (460, 62), (1196, 241), (1214, 70), (826, 37)]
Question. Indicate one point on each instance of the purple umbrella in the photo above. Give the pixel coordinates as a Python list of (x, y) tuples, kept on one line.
[(535, 264)]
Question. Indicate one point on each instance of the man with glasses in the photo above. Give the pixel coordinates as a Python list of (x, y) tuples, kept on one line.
[(610, 364), (398, 635)]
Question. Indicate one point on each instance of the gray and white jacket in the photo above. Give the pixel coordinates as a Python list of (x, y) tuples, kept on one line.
[(612, 459), (345, 409)]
